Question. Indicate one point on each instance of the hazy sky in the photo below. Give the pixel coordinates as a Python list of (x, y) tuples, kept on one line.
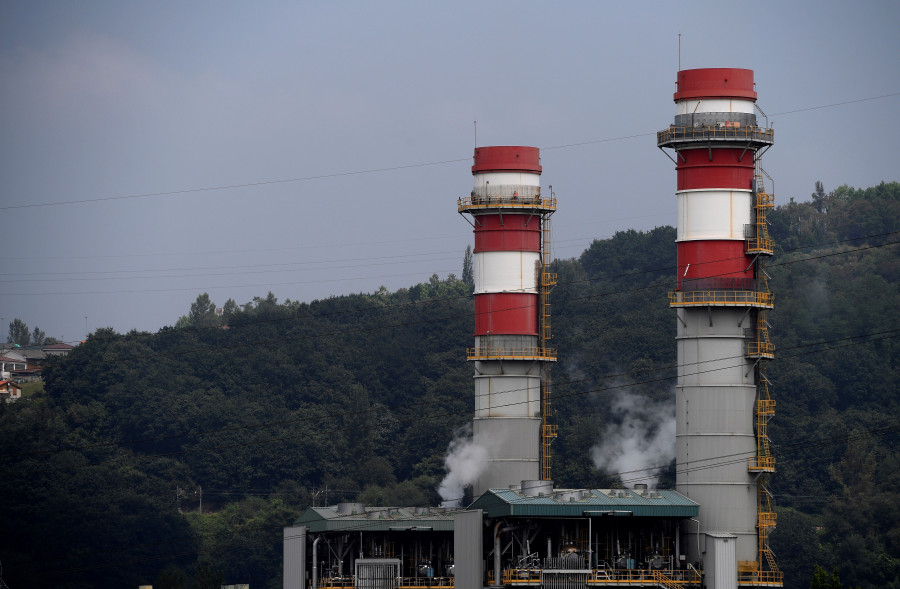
[(343, 133)]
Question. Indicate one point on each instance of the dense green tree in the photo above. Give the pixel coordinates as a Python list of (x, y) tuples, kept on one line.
[(230, 311), (18, 333), (38, 337), (822, 580), (203, 312), (468, 273)]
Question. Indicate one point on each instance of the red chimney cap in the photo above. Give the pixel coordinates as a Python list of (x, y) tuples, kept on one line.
[(715, 83), (507, 158)]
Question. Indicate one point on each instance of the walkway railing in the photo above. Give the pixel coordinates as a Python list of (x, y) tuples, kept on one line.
[(674, 134), (492, 353), (511, 201), (723, 298)]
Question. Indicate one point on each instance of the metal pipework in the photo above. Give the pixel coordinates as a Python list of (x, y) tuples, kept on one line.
[(315, 558)]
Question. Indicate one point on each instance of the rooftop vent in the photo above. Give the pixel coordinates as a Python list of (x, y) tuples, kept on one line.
[(537, 488), (569, 496), (351, 508)]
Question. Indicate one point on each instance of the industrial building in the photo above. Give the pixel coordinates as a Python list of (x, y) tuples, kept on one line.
[(712, 530)]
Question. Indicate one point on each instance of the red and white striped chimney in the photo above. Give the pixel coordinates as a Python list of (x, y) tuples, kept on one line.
[(508, 216), (715, 181), (721, 300)]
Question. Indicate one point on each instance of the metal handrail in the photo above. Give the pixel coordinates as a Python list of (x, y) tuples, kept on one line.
[(765, 406), (743, 298), (675, 579), (765, 200), (466, 203), (767, 518), (762, 578), (764, 463), (519, 575), (416, 582), (760, 245), (670, 579), (523, 190), (406, 582), (710, 133), (492, 353), (760, 348)]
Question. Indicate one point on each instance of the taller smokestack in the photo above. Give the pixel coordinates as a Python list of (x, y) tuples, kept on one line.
[(511, 225), (721, 300)]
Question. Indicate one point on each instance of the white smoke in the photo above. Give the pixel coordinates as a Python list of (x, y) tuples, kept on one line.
[(642, 437), (465, 462)]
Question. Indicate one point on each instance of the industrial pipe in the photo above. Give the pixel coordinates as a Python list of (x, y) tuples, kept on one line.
[(315, 571), (699, 558), (497, 570)]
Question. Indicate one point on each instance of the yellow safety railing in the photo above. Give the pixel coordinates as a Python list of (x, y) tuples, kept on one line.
[(765, 409), (549, 432), (343, 582), (766, 521), (669, 579), (548, 280), (519, 576), (761, 346), (761, 243), (760, 350), (762, 464), (714, 133), (468, 203), (425, 582), (492, 353), (762, 579), (737, 298), (676, 579), (764, 200)]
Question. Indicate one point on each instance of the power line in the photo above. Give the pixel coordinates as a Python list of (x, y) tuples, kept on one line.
[(246, 268), (834, 104), (232, 186), (363, 526), (720, 461), (888, 334), (586, 280), (467, 314), (257, 268), (379, 170)]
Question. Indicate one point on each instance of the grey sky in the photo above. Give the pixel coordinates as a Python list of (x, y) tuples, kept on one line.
[(114, 99)]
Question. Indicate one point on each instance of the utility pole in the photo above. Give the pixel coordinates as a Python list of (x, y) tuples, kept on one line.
[(179, 493), (317, 492)]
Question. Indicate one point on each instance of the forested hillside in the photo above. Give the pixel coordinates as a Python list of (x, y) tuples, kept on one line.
[(273, 406)]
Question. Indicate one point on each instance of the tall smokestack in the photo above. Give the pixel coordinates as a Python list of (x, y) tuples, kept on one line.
[(510, 219), (721, 300)]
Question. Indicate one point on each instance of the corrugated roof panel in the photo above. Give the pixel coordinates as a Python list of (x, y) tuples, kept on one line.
[(327, 519), (611, 502), (506, 502)]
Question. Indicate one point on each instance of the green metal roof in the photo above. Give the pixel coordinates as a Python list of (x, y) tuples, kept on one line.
[(504, 503), (593, 502), (374, 519)]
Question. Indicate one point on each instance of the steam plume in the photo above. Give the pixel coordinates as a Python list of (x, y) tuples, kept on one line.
[(465, 462), (641, 437)]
